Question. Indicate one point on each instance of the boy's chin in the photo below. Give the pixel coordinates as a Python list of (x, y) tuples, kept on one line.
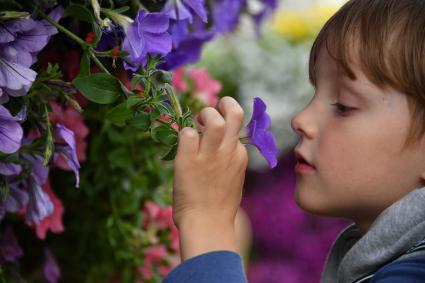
[(309, 200)]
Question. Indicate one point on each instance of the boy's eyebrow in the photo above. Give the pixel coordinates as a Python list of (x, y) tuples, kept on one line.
[(349, 84)]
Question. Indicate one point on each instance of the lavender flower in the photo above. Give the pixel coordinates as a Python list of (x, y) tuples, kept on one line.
[(69, 152), (187, 46), (226, 14), (39, 205), (10, 250), (11, 132), (51, 270), (20, 41), (16, 200), (182, 10), (259, 135), (146, 35)]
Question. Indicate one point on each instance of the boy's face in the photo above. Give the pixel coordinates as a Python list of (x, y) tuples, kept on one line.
[(360, 164)]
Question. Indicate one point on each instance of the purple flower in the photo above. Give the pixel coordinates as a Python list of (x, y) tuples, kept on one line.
[(259, 135), (51, 270), (182, 10), (270, 4), (16, 200), (11, 132), (187, 46), (20, 41), (69, 152), (146, 35), (10, 250), (39, 204), (111, 37), (226, 14)]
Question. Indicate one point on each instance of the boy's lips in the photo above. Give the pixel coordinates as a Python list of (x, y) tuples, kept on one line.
[(302, 160)]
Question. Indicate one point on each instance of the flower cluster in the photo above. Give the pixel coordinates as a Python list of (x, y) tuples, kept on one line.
[(96, 83)]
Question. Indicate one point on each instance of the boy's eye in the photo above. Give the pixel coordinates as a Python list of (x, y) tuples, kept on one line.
[(341, 108)]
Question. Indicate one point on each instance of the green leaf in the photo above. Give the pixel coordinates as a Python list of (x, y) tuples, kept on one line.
[(79, 12), (164, 134), (84, 65), (133, 101), (119, 158), (171, 154), (48, 150), (141, 121), (101, 88), (154, 114), (120, 113)]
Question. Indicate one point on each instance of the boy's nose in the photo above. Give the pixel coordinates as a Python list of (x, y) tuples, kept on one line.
[(303, 125)]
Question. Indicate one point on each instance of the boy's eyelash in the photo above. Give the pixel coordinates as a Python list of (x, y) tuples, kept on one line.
[(341, 108)]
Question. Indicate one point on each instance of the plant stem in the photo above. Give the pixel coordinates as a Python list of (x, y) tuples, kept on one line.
[(96, 60), (63, 29)]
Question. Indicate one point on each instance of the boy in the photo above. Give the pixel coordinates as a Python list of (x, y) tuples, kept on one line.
[(361, 154)]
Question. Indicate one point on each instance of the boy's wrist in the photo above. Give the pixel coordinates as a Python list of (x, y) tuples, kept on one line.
[(202, 235)]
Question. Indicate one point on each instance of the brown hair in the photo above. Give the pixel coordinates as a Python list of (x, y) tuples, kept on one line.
[(388, 37)]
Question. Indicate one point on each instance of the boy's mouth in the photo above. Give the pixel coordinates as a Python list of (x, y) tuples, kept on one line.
[(302, 160)]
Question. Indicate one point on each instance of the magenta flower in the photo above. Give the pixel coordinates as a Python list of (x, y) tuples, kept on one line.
[(146, 35), (259, 135)]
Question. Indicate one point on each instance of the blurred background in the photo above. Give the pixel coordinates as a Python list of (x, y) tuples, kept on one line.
[(280, 242)]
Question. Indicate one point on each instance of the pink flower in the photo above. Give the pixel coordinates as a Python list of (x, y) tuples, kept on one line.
[(165, 118), (205, 87), (178, 80), (152, 255), (175, 126), (74, 121), (155, 254), (52, 222)]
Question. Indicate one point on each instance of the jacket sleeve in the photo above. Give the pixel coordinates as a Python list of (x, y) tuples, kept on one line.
[(410, 270), (211, 267)]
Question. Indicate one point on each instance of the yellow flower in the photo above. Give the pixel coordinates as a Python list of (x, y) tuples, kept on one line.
[(302, 25)]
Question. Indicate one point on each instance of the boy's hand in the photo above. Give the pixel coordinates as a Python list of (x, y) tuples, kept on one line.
[(209, 172)]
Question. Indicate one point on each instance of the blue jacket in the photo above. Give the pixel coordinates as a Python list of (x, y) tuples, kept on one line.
[(227, 266), (391, 251)]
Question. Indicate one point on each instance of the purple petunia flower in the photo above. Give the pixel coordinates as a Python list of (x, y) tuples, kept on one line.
[(20, 41), (146, 35), (39, 204), (259, 135), (111, 37), (11, 132), (226, 14), (69, 152), (51, 270), (187, 46), (182, 10), (10, 250)]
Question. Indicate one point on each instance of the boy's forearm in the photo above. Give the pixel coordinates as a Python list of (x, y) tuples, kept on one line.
[(199, 236)]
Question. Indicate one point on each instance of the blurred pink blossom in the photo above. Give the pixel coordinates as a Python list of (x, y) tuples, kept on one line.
[(205, 87)]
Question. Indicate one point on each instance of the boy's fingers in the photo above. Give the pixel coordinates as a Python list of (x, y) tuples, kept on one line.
[(233, 115), (188, 142), (214, 128), (198, 123)]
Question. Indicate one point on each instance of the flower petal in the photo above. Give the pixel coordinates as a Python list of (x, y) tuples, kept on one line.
[(155, 23), (198, 7)]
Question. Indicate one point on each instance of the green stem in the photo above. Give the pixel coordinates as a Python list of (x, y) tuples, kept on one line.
[(63, 29), (96, 60), (245, 140)]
